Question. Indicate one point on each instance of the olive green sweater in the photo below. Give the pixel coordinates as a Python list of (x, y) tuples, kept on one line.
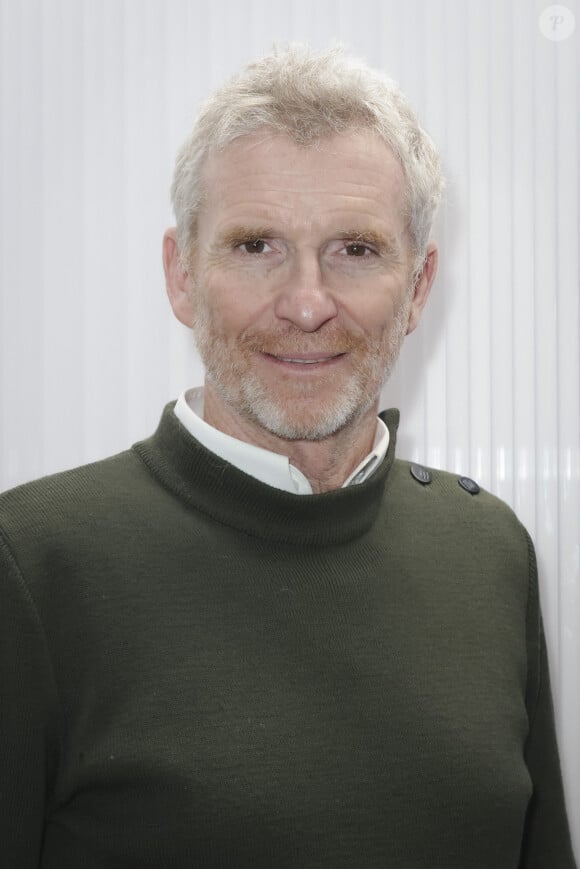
[(199, 670)]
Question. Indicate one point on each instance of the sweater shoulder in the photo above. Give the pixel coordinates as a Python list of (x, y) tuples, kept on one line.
[(448, 486), (42, 507), (447, 499), (456, 527)]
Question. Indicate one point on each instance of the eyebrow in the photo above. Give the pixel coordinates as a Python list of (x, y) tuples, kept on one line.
[(239, 234)]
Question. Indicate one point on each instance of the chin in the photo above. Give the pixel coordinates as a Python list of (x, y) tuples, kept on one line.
[(310, 419)]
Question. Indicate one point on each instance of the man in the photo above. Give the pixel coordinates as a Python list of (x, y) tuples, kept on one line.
[(257, 639)]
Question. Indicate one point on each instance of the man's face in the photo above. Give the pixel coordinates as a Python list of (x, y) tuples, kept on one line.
[(300, 281)]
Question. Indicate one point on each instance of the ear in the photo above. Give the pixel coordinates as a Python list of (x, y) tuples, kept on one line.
[(423, 286), (177, 282)]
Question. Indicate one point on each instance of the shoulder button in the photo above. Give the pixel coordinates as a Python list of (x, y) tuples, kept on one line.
[(469, 485), (421, 474)]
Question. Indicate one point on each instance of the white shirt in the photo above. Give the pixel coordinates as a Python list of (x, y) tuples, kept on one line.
[(268, 467)]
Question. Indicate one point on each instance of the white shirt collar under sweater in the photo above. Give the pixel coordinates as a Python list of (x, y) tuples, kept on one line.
[(266, 466)]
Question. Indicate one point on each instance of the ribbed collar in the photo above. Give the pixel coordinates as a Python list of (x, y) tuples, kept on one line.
[(217, 488)]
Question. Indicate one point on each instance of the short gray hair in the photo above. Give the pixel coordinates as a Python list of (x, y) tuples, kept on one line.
[(308, 95)]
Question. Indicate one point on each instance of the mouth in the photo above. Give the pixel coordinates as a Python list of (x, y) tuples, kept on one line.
[(305, 358), (299, 361)]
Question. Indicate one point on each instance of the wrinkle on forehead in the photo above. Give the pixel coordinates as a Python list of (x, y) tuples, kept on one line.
[(359, 142)]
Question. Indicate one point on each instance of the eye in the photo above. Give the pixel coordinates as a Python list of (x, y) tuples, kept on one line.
[(255, 245), (357, 248)]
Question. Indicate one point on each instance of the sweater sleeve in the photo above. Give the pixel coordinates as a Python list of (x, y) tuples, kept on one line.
[(27, 716), (546, 834)]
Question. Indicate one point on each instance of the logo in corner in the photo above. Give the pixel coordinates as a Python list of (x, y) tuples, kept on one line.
[(557, 23)]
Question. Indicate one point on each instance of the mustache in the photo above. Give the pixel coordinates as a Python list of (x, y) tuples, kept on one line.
[(288, 341)]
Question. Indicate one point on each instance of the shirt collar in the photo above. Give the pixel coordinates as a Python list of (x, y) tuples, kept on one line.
[(268, 467)]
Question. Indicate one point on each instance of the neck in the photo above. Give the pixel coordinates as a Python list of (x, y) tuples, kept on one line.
[(325, 463)]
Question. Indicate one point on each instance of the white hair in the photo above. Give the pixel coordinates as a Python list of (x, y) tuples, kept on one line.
[(308, 95)]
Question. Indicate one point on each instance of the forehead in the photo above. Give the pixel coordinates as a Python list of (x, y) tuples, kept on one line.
[(266, 176)]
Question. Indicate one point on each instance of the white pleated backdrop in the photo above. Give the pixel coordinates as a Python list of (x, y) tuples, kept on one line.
[(95, 98)]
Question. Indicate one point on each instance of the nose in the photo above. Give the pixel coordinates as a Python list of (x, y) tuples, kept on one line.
[(303, 299)]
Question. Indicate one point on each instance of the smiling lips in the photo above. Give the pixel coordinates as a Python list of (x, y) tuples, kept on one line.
[(305, 359)]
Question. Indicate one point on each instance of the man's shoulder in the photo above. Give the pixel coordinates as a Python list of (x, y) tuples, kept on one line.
[(74, 479), (448, 496), (69, 496), (450, 519)]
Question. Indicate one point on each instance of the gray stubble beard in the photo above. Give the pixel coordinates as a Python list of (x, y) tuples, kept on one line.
[(248, 397)]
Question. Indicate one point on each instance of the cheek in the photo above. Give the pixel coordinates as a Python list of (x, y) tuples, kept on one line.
[(234, 305), (372, 317), (228, 313), (374, 304)]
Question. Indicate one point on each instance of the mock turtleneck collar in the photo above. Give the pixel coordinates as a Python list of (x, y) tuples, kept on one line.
[(228, 495)]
